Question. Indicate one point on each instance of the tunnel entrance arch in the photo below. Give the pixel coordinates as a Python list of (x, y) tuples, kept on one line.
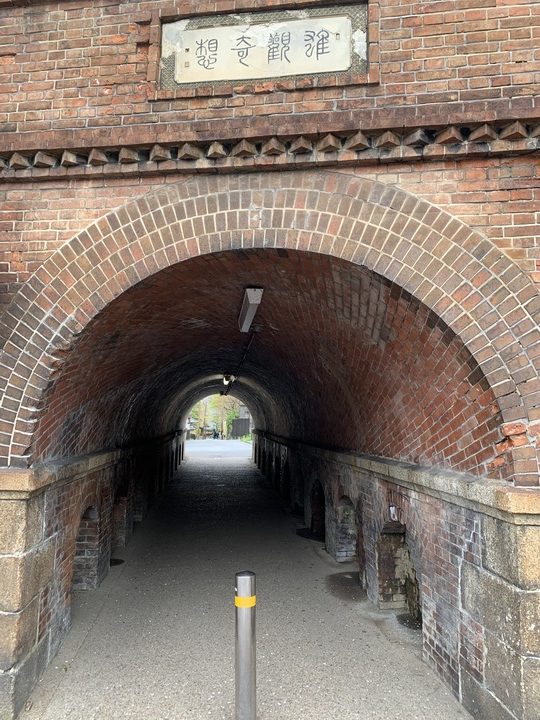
[(439, 260), (440, 280)]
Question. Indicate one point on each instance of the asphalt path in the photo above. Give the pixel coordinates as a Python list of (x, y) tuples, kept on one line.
[(156, 640)]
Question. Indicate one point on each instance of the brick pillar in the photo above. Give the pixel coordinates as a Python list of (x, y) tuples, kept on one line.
[(26, 568), (86, 563), (389, 552), (122, 522)]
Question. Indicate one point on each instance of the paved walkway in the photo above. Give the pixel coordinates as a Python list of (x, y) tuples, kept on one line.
[(155, 642)]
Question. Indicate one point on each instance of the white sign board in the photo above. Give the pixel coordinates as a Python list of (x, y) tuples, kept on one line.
[(263, 50)]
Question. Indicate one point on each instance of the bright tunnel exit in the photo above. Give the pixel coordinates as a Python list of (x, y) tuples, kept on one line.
[(219, 417)]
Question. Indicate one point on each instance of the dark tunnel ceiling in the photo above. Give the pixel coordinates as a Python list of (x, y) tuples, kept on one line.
[(342, 358)]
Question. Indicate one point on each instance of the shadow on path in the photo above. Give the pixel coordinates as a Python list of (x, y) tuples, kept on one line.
[(156, 640)]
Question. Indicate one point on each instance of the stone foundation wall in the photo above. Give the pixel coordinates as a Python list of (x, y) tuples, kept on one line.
[(474, 547)]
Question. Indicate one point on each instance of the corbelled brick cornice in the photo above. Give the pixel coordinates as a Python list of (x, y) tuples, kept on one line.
[(353, 147)]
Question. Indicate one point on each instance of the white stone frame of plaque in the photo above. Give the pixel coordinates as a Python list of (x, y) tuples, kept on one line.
[(313, 46)]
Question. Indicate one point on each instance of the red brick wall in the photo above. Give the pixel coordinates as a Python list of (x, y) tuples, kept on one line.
[(80, 77), (148, 354), (131, 474), (495, 197), (76, 76), (87, 67), (440, 536), (64, 506), (391, 379)]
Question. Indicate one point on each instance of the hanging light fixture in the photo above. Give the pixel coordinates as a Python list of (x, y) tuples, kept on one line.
[(250, 305)]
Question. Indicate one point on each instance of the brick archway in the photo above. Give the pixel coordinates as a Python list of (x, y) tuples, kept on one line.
[(484, 297)]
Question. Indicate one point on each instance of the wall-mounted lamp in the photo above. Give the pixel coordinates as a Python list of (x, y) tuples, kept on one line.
[(250, 304), (393, 513), (228, 379)]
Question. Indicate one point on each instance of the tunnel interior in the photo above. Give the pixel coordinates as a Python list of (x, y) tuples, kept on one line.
[(338, 357), (339, 361)]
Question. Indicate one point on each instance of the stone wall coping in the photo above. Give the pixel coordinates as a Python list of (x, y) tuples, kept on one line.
[(496, 497), (16, 482)]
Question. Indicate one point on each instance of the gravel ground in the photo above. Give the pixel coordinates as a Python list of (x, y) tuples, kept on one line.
[(156, 641)]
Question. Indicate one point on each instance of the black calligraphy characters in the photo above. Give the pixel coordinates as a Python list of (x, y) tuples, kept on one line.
[(279, 47), (206, 53), (244, 43), (317, 43)]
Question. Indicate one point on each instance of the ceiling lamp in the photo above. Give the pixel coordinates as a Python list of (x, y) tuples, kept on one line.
[(252, 300)]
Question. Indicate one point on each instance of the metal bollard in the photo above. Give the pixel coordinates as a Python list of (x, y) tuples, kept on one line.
[(244, 602)]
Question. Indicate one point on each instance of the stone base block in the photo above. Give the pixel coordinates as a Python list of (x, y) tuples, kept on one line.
[(16, 686), (21, 524), (18, 632), (480, 702), (503, 674), (531, 688), (23, 576), (510, 614), (512, 551)]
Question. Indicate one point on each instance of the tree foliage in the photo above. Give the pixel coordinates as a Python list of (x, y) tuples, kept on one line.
[(215, 412)]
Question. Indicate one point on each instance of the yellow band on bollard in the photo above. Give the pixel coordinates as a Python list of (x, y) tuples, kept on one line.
[(245, 602)]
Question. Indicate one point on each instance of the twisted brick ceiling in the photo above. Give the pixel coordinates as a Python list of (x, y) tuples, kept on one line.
[(342, 358)]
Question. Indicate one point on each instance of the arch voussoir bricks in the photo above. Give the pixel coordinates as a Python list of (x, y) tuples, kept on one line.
[(460, 275)]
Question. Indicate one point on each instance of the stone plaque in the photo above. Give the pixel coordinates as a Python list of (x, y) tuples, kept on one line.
[(254, 50)]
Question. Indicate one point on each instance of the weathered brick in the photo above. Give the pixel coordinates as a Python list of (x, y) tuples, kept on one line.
[(425, 350)]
